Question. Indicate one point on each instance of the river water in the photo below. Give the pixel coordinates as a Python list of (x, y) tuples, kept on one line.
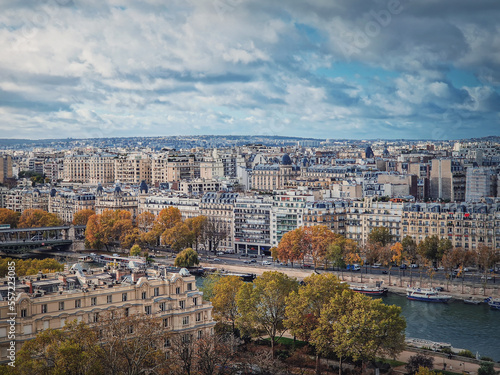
[(472, 327)]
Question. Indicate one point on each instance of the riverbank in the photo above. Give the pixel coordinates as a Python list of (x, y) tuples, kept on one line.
[(394, 283)]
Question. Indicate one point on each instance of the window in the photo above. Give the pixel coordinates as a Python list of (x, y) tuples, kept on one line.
[(126, 312), (162, 306), (177, 290), (166, 322), (195, 301), (143, 295), (181, 304), (200, 334), (190, 286), (95, 317), (44, 309), (185, 320), (24, 313), (109, 299), (167, 343), (148, 310), (61, 306), (198, 317), (130, 329), (78, 303), (124, 297), (157, 292), (93, 301)]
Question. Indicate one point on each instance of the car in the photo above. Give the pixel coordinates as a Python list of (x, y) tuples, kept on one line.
[(244, 254), (441, 268), (247, 261), (266, 263), (216, 260), (220, 253), (307, 265), (413, 265), (403, 266), (439, 288), (253, 256), (377, 265), (253, 261), (115, 255)]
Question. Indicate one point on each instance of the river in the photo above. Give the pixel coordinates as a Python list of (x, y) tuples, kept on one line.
[(472, 327)]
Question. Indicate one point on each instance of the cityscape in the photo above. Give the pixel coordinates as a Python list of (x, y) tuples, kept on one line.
[(212, 187)]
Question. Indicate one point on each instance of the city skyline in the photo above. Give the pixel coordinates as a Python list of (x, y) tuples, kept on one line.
[(317, 69)]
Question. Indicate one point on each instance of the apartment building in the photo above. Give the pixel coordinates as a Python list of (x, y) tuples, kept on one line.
[(76, 168), (189, 207), (5, 167), (218, 208), (49, 301), (199, 186), (116, 200), (252, 223), (65, 204), (271, 177), (133, 169), (287, 213), (480, 183), (465, 225), (447, 180), (102, 169), (328, 213)]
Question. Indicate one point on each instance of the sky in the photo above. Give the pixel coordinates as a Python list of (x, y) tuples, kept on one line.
[(356, 69)]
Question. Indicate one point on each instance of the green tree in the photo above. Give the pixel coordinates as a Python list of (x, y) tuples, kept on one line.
[(304, 306), (354, 325), (433, 248), (224, 300), (486, 368), (262, 304), (418, 361), (177, 237), (208, 285), (380, 235), (135, 250), (187, 258)]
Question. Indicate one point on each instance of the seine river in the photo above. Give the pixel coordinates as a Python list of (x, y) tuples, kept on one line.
[(472, 327)]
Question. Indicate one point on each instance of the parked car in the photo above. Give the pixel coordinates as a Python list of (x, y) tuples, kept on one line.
[(377, 265), (247, 261), (216, 260), (403, 266), (253, 261), (220, 253), (244, 254), (253, 256), (307, 265), (439, 288), (413, 265), (266, 263)]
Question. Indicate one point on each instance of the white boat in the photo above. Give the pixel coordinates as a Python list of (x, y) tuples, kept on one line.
[(494, 303), (426, 295), (472, 301)]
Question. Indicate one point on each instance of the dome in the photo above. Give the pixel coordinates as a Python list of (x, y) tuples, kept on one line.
[(118, 190), (285, 160), (143, 187), (53, 193), (100, 190)]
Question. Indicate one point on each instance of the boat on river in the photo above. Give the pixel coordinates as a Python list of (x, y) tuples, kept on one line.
[(369, 290), (472, 301), (426, 295), (494, 303)]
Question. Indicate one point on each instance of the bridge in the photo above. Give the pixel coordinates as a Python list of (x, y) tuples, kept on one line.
[(23, 240)]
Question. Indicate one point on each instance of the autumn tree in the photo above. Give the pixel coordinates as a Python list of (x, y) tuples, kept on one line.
[(71, 350), (433, 248), (380, 235), (135, 250), (108, 228), (290, 248), (214, 234), (35, 218), (318, 237), (354, 325), (197, 226), (304, 306), (9, 217), (167, 218), (187, 258), (145, 221), (224, 300), (417, 361), (262, 304), (410, 248), (486, 257), (82, 217), (177, 237)]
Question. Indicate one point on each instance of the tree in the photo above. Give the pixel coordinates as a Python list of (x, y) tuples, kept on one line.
[(186, 258), (82, 217), (318, 237), (197, 227), (108, 228), (67, 351), (417, 361), (290, 248), (433, 248), (486, 368), (398, 256), (167, 218), (262, 304), (214, 234), (380, 235), (35, 218), (135, 250), (304, 306), (354, 325), (9, 217), (145, 221), (486, 257), (208, 285), (224, 300), (177, 237), (410, 248)]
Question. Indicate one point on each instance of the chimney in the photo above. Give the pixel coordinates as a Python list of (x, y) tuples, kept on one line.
[(62, 278), (30, 284)]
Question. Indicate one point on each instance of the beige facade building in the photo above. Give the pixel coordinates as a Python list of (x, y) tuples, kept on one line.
[(117, 200), (219, 209), (133, 169), (102, 169), (65, 205), (447, 180), (271, 177), (76, 168), (327, 213), (5, 167), (49, 301), (189, 207)]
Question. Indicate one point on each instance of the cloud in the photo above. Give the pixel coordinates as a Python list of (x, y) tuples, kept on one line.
[(102, 68)]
